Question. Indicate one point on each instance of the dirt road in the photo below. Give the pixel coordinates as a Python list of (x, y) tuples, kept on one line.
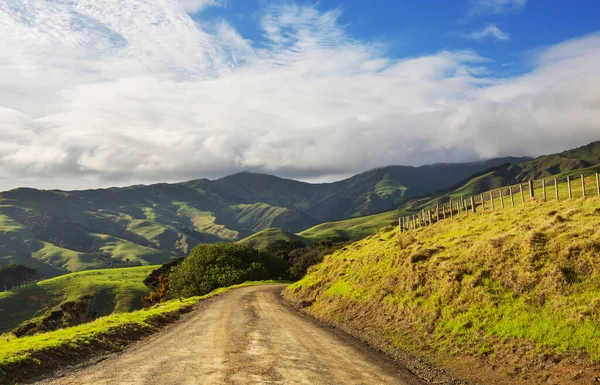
[(245, 336)]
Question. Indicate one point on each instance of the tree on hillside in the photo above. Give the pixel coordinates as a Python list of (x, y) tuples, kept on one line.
[(14, 275), (158, 282), (209, 267)]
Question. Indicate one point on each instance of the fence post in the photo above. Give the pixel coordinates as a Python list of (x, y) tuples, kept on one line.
[(556, 188), (444, 210), (482, 203), (501, 199), (437, 212), (531, 190), (569, 187), (544, 189), (458, 208), (522, 195), (473, 204), (583, 185), (492, 199), (400, 222), (598, 184), (512, 199), (451, 209)]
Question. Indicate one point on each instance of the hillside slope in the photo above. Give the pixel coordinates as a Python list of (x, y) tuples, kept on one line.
[(101, 292), (515, 290), (266, 237), (564, 163), (59, 231), (352, 229)]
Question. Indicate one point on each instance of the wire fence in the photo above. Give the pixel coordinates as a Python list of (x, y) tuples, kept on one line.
[(546, 189)]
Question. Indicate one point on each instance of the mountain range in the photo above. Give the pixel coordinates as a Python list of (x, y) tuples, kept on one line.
[(60, 231)]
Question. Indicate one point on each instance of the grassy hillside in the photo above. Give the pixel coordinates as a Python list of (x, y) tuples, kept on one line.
[(59, 231), (351, 229), (572, 162), (266, 237), (109, 291), (514, 289)]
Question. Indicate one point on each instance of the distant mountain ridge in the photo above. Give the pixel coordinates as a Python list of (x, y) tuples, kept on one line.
[(59, 231)]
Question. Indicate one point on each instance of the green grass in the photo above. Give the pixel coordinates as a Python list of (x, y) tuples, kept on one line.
[(17, 353), (352, 229), (118, 290), (525, 278), (266, 237)]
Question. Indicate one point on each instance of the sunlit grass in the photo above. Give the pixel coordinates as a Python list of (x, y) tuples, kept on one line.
[(475, 283), (122, 290)]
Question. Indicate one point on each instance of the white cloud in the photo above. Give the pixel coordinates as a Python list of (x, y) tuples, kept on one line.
[(116, 92), (195, 6), (487, 7), (490, 30)]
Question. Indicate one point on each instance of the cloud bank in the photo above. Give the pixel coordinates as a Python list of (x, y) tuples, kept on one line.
[(110, 92)]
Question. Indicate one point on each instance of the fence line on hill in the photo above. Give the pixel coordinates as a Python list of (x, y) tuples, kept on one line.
[(505, 196)]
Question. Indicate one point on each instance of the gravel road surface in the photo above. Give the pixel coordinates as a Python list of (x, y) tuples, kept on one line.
[(245, 336)]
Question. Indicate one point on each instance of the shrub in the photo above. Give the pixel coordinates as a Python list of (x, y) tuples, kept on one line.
[(209, 267)]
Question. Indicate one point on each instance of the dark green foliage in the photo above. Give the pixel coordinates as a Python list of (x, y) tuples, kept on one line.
[(209, 267), (14, 275), (152, 281), (300, 257)]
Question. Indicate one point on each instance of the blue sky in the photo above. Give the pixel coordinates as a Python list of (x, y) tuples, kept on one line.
[(98, 93), (416, 28)]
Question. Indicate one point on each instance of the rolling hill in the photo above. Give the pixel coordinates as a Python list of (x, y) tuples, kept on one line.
[(512, 293), (100, 292), (266, 237), (62, 231)]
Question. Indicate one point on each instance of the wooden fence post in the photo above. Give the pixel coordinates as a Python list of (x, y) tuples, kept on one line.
[(583, 185), (451, 209), (492, 199), (482, 203), (512, 199), (544, 189), (458, 208), (473, 204), (531, 190), (522, 195), (569, 187), (501, 199), (444, 211), (400, 223), (598, 184), (437, 212), (556, 187)]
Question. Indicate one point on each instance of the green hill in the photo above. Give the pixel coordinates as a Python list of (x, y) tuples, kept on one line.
[(572, 162), (352, 229), (266, 237), (518, 285), (62, 231), (101, 292)]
